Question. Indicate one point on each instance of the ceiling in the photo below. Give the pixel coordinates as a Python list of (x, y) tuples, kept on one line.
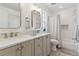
[(48, 6), (57, 6)]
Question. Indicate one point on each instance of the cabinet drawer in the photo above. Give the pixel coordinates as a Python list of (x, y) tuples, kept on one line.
[(10, 51)]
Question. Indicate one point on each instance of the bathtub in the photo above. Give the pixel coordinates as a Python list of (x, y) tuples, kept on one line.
[(71, 45)]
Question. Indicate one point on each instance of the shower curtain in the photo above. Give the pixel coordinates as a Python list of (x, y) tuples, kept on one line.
[(58, 31)]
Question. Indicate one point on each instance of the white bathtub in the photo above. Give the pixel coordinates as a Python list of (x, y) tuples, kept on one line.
[(72, 47)]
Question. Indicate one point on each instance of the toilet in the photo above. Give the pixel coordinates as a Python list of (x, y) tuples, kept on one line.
[(54, 43)]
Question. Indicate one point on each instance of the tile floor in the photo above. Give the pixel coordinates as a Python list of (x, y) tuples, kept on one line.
[(59, 52)]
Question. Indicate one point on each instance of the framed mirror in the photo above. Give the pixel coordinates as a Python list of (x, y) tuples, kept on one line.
[(35, 19), (10, 15)]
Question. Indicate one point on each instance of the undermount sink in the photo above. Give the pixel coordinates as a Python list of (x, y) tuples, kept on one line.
[(26, 36)]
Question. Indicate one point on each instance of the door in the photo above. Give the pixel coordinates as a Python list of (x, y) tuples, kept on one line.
[(28, 48), (38, 47)]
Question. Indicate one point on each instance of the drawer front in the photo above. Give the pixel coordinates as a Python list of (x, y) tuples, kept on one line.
[(11, 51)]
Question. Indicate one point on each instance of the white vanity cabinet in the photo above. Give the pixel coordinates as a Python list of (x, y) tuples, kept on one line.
[(38, 47), (28, 48), (11, 51), (42, 46), (23, 49)]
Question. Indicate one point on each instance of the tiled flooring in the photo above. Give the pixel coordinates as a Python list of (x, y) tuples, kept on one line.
[(59, 53)]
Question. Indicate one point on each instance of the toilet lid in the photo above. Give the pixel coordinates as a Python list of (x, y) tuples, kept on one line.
[(54, 41)]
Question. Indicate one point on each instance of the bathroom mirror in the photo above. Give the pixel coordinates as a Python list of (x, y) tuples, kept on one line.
[(10, 15), (35, 19)]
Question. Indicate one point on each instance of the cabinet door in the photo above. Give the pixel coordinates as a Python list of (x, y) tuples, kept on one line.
[(28, 48), (38, 47), (18, 50), (44, 46), (11, 51), (48, 44)]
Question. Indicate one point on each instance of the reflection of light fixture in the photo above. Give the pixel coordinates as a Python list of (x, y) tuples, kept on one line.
[(36, 8), (60, 6), (39, 9)]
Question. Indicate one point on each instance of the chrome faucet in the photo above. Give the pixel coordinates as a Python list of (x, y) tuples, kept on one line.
[(4, 35)]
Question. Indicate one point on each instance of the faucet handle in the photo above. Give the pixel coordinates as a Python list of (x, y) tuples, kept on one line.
[(11, 34), (5, 35), (16, 33)]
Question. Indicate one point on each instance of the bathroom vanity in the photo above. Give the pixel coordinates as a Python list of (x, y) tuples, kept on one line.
[(26, 45), (23, 18)]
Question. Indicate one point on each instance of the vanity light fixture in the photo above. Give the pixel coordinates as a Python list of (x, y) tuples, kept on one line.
[(36, 8), (39, 9), (54, 4)]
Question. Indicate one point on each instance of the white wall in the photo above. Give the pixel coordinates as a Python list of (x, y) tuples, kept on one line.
[(77, 14), (26, 12), (52, 25)]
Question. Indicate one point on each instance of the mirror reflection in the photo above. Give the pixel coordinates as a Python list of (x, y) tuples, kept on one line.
[(36, 19), (9, 15)]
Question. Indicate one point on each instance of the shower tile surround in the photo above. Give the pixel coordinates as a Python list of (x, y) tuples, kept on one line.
[(69, 20)]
